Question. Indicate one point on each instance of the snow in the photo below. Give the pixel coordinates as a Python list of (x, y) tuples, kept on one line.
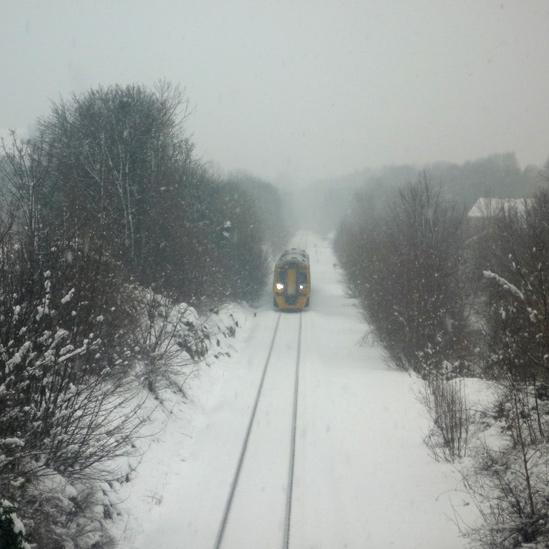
[(12, 441), (18, 526), (504, 284), (489, 207), (68, 297), (363, 477), (68, 352)]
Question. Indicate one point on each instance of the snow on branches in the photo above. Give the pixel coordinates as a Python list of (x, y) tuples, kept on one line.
[(505, 284)]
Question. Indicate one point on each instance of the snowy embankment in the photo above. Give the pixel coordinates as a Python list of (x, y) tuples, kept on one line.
[(171, 425), (363, 477)]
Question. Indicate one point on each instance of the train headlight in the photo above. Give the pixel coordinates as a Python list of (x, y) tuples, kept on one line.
[(302, 287), (279, 286)]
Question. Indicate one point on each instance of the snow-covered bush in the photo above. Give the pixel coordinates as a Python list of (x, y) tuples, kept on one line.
[(67, 405), (507, 474), (172, 339), (64, 355), (12, 530), (168, 338), (69, 515)]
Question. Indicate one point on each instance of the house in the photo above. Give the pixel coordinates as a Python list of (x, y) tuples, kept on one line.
[(490, 207), (485, 209)]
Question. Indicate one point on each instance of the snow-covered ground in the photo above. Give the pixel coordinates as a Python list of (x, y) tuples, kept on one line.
[(363, 477)]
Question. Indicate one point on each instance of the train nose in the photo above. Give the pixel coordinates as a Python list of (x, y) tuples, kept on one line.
[(291, 289)]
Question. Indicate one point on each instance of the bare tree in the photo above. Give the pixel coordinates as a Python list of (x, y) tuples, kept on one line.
[(404, 265)]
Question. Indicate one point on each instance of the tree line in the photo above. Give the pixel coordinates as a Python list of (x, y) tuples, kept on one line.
[(497, 175), (108, 223), (450, 297)]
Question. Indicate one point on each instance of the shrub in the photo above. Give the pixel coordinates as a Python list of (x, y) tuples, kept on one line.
[(446, 403)]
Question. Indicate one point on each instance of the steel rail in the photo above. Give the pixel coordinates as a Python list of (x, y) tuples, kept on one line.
[(290, 489), (236, 477)]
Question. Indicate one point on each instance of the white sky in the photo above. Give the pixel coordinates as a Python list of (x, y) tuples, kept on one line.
[(301, 89)]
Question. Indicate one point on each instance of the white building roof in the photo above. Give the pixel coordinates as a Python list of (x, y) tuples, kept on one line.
[(488, 207)]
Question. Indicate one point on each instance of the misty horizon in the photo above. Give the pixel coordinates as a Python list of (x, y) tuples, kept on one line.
[(298, 93)]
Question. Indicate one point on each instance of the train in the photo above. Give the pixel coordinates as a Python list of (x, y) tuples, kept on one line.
[(292, 281)]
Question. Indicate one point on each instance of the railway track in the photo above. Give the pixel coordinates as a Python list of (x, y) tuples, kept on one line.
[(288, 353)]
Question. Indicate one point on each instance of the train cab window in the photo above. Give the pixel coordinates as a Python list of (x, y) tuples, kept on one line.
[(283, 276), (302, 277)]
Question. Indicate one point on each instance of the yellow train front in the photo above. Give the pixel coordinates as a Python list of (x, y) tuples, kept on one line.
[(292, 280)]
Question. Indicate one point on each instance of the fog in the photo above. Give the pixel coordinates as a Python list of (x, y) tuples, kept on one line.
[(294, 91)]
